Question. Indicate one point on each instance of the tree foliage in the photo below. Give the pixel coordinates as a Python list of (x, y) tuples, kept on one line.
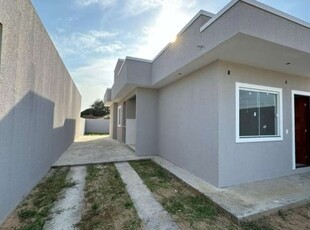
[(97, 110)]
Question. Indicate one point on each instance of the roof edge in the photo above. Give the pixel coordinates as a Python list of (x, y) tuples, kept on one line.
[(260, 6), (200, 12)]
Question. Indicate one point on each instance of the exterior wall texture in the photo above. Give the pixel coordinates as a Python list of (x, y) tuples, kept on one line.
[(188, 118), (40, 104), (146, 122), (100, 125), (247, 162)]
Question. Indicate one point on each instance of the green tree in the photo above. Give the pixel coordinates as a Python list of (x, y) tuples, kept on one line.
[(97, 110)]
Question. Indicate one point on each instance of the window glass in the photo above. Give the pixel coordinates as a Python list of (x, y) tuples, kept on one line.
[(258, 113)]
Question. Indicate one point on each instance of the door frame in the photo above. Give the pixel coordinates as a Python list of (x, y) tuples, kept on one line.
[(301, 93)]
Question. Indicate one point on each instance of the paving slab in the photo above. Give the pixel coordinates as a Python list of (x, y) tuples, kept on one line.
[(68, 209), (149, 210), (250, 201), (95, 149)]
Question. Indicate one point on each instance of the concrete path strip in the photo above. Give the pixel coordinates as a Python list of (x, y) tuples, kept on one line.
[(149, 210), (67, 211)]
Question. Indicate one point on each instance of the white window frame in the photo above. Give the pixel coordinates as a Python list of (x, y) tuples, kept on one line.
[(259, 88), (119, 115)]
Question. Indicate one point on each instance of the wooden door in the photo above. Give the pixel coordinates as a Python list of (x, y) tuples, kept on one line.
[(302, 129)]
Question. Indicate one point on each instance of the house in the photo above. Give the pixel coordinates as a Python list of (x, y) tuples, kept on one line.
[(40, 104), (228, 101)]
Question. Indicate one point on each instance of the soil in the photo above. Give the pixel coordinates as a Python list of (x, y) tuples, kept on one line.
[(293, 219)]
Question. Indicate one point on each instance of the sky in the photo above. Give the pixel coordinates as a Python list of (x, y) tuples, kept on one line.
[(90, 35)]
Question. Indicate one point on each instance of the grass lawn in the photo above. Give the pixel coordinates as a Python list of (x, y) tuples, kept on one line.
[(32, 213), (192, 210), (107, 204)]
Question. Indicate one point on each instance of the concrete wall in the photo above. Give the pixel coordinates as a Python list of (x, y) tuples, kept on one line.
[(80, 127), (97, 125), (146, 121), (40, 104), (247, 162), (188, 123)]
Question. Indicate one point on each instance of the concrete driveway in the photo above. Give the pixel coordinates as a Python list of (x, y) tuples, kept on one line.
[(96, 149)]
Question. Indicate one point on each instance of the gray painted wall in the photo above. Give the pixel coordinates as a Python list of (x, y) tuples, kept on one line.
[(146, 122), (188, 117), (40, 104), (100, 125), (247, 162), (113, 121)]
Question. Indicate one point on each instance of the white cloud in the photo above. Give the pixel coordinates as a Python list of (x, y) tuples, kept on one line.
[(172, 17), (104, 3), (91, 42), (136, 7), (93, 79)]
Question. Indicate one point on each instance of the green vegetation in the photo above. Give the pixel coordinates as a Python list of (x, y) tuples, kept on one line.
[(107, 204), (189, 208), (34, 211)]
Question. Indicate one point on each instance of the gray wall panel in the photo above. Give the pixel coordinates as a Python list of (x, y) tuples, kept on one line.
[(40, 104)]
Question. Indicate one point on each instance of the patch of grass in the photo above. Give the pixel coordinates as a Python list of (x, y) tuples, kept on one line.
[(32, 213), (191, 208), (257, 225), (95, 134), (107, 204), (26, 214), (155, 177)]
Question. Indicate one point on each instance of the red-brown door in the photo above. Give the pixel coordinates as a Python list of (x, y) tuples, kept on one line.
[(302, 116)]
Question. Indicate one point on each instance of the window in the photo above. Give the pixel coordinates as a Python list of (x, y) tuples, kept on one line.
[(119, 115), (258, 113)]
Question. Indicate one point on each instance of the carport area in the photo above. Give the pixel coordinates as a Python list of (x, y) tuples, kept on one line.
[(95, 149)]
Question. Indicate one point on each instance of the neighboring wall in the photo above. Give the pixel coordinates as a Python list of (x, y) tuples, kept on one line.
[(97, 125), (247, 162), (188, 123), (40, 104)]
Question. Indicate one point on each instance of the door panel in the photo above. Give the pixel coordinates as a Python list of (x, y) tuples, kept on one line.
[(302, 114)]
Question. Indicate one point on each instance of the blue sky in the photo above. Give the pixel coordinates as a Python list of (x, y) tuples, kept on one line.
[(91, 35)]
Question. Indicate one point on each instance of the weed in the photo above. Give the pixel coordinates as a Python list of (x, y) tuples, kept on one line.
[(282, 215), (94, 207), (26, 213), (128, 204)]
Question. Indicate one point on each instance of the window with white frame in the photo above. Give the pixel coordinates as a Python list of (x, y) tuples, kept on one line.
[(119, 115), (258, 113)]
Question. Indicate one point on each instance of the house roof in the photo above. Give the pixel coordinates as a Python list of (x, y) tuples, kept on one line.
[(260, 6), (244, 31)]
